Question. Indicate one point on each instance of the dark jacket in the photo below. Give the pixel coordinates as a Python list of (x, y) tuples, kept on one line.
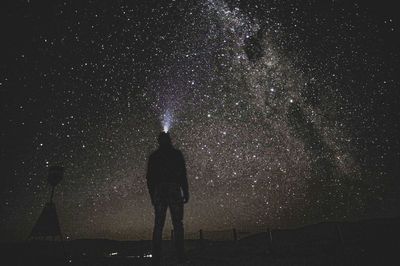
[(166, 175)]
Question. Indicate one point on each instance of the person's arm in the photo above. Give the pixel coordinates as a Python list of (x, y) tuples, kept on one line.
[(150, 179), (184, 181)]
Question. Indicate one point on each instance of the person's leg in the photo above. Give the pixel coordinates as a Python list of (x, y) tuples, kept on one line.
[(177, 217), (160, 211)]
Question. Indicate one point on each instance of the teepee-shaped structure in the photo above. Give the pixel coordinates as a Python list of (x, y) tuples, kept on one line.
[(48, 224)]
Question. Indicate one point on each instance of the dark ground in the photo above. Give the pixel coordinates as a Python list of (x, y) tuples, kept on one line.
[(370, 242)]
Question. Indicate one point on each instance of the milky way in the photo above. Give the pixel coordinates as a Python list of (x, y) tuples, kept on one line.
[(285, 113)]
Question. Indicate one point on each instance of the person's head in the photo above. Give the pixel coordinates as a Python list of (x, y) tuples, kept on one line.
[(164, 140)]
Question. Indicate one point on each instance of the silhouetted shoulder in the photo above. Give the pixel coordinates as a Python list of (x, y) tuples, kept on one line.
[(161, 152), (153, 154), (157, 153), (177, 152)]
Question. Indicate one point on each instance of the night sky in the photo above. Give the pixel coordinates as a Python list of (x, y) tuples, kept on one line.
[(287, 112)]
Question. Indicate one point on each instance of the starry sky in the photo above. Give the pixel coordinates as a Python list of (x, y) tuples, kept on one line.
[(287, 112)]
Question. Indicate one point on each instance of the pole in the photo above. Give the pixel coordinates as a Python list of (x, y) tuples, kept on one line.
[(52, 193)]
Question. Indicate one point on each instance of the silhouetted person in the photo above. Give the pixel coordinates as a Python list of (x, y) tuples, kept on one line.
[(166, 181)]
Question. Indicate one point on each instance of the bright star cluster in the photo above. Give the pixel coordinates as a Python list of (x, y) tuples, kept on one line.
[(286, 113)]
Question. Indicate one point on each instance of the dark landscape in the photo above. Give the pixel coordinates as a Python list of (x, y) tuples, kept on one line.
[(368, 242)]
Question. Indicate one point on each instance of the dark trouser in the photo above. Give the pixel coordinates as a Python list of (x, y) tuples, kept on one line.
[(160, 210)]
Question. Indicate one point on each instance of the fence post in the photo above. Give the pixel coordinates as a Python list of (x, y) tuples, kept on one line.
[(340, 234), (201, 239), (172, 244), (269, 241), (234, 234)]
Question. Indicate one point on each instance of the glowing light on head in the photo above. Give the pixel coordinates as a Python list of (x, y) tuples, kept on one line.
[(166, 128), (167, 119)]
